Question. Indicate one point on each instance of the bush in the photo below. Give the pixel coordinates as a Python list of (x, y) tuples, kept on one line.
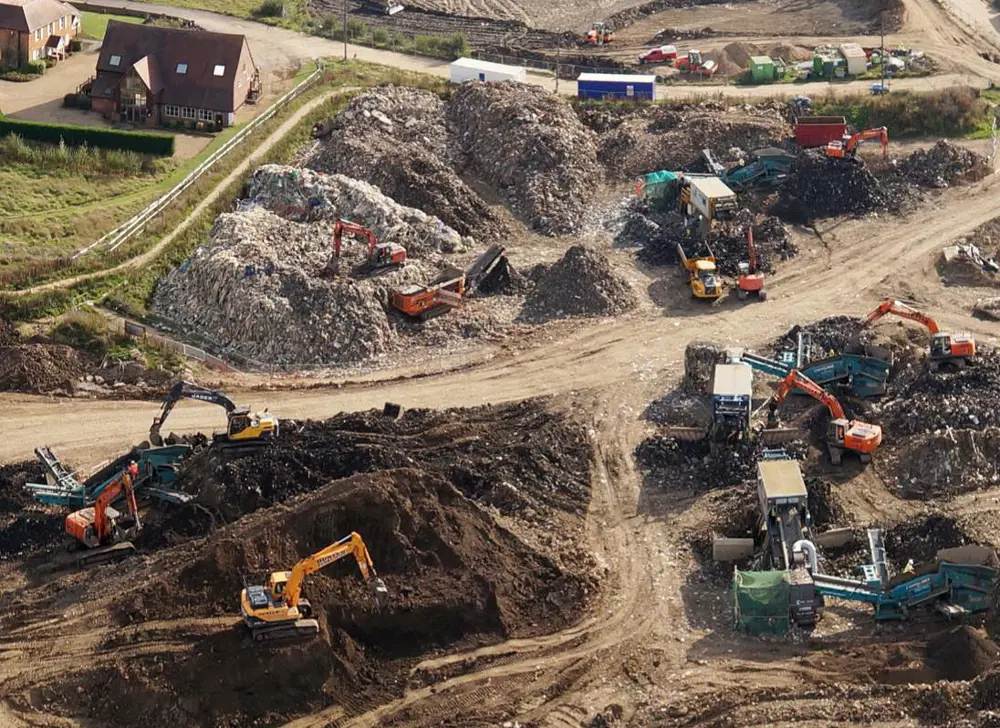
[(74, 136), (83, 102), (33, 68), (75, 45), (948, 112), (82, 160), (380, 36), (69, 100), (270, 9)]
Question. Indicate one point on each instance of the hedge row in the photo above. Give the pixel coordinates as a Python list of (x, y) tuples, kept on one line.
[(74, 136)]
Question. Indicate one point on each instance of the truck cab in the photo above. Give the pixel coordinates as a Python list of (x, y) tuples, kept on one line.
[(705, 280)]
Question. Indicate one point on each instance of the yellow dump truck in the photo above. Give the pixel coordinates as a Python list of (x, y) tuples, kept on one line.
[(701, 273)]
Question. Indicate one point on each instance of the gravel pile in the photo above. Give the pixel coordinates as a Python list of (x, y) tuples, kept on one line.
[(581, 283), (819, 187), (943, 165), (531, 147), (302, 194), (396, 138), (255, 290)]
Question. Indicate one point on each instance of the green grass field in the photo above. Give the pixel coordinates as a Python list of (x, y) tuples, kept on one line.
[(95, 25)]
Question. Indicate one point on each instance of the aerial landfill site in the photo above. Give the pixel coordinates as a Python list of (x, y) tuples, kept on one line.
[(538, 413)]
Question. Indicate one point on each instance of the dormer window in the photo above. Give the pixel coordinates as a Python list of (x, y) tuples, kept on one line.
[(219, 71), (115, 60), (182, 68)]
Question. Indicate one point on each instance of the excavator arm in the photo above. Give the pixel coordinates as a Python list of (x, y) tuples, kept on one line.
[(881, 133), (353, 228), (186, 390), (797, 379), (102, 525), (903, 311), (351, 545)]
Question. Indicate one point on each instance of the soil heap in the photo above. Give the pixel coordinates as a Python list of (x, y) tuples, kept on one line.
[(24, 524), (531, 147), (819, 186), (961, 653), (396, 138), (9, 335), (943, 165), (40, 368), (581, 283)]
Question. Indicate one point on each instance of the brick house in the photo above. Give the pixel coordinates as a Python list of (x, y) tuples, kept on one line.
[(33, 30), (161, 76)]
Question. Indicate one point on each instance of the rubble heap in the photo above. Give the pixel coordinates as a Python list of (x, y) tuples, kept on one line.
[(581, 283), (9, 335), (40, 368), (692, 465), (305, 195), (396, 138), (641, 140), (700, 358), (819, 187), (961, 653), (943, 165), (531, 146), (255, 289)]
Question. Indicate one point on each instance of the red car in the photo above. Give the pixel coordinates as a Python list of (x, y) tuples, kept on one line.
[(663, 54)]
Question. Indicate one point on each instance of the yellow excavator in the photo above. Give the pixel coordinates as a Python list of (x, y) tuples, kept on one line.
[(243, 428), (278, 611)]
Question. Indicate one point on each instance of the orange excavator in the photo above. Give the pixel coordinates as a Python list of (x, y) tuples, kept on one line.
[(751, 280), (100, 529), (853, 435), (381, 256), (847, 148), (278, 611), (946, 349)]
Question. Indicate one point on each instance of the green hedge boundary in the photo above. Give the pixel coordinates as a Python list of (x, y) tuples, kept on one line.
[(75, 136)]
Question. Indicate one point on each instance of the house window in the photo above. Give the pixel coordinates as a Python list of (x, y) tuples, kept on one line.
[(115, 60), (182, 68), (38, 34), (37, 55), (188, 113), (219, 71), (205, 114), (52, 27), (171, 111), (62, 23)]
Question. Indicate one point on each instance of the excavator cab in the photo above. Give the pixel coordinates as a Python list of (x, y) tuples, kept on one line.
[(246, 426), (276, 584)]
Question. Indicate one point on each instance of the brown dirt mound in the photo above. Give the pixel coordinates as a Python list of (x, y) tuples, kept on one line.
[(41, 368), (9, 335), (581, 283), (943, 463), (456, 578), (961, 654), (921, 539)]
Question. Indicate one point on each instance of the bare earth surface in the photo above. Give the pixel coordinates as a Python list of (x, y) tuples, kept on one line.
[(657, 641)]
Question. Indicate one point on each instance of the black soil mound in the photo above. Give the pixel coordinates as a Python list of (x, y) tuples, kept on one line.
[(581, 283), (961, 653)]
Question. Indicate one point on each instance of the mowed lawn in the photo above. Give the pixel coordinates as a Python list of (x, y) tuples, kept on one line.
[(95, 25)]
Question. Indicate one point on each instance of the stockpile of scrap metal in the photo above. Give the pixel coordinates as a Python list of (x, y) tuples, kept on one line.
[(157, 466)]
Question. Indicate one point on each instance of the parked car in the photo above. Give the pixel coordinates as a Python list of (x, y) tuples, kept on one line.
[(663, 54), (877, 89)]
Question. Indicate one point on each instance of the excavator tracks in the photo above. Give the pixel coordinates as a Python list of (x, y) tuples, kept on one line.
[(301, 629)]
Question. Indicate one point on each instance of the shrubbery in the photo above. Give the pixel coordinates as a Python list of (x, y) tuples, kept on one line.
[(74, 136), (949, 112)]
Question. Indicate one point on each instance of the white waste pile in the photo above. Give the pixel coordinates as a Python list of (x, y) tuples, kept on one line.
[(396, 138), (302, 194), (255, 289), (532, 147)]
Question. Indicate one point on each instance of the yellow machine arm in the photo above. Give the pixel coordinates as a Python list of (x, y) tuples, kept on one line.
[(352, 544)]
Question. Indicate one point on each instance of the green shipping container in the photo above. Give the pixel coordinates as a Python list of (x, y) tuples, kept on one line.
[(762, 69)]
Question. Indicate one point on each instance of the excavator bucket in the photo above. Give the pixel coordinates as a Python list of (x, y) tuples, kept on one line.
[(779, 435), (392, 410), (154, 434), (381, 593), (687, 434)]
